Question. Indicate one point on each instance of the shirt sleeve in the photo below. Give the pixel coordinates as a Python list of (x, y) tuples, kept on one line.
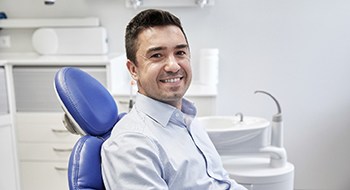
[(131, 162), (236, 186)]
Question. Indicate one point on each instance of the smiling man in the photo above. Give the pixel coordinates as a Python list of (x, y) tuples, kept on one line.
[(159, 144), (162, 65)]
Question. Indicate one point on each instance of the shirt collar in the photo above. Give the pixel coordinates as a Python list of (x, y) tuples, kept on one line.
[(159, 111)]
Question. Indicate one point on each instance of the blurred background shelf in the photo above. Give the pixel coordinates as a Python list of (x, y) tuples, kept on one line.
[(49, 22)]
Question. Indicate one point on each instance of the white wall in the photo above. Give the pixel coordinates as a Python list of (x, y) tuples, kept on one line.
[(297, 50)]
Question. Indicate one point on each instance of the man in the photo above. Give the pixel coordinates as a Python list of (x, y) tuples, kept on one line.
[(159, 144)]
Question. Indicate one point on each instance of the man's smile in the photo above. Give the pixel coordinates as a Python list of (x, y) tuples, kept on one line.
[(172, 80)]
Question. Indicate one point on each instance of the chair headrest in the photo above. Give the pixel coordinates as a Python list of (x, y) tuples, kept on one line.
[(89, 107)]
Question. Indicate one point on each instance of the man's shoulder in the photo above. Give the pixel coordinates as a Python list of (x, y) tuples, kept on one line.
[(130, 122)]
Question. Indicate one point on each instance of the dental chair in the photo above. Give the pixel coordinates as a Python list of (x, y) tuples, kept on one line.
[(89, 111)]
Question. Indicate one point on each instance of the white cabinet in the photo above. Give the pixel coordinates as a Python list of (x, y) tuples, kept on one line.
[(7, 159), (8, 152), (43, 143), (44, 146)]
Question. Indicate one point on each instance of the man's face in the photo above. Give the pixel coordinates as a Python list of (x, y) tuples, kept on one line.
[(163, 71)]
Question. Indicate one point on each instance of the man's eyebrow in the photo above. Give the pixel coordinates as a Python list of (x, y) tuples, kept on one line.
[(159, 48), (181, 46), (153, 49)]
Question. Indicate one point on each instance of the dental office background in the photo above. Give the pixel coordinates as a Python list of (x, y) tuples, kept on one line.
[(298, 50)]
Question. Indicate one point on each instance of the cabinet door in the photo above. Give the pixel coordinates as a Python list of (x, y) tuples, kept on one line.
[(34, 90), (44, 175), (7, 159)]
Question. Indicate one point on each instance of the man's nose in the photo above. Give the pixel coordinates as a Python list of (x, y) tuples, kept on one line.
[(172, 64)]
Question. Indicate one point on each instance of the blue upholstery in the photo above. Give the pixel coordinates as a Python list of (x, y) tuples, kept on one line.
[(86, 100), (90, 111), (84, 170)]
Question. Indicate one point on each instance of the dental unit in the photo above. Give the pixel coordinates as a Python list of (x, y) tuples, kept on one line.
[(252, 149)]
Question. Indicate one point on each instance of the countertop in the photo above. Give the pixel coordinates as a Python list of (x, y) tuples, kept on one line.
[(36, 59)]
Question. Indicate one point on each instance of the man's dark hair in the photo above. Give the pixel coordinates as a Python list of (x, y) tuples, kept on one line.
[(143, 20)]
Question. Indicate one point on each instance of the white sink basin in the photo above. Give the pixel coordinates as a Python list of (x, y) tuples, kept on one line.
[(227, 123), (231, 136)]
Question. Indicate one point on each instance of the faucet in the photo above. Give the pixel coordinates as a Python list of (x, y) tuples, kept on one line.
[(240, 114)]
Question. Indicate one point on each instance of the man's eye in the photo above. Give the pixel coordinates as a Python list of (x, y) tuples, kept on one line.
[(157, 55), (181, 53)]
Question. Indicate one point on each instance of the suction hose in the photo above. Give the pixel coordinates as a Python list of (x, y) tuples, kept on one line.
[(276, 150), (277, 125)]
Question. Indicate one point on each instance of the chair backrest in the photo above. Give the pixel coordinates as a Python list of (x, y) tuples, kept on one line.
[(90, 111)]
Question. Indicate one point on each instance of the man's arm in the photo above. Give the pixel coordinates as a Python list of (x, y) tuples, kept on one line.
[(131, 161)]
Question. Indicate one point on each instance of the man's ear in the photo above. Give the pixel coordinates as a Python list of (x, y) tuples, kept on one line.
[(133, 70)]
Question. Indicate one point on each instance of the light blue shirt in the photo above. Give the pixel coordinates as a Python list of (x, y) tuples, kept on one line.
[(158, 147)]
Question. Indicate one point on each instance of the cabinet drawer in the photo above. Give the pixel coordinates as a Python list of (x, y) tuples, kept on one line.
[(45, 134), (44, 175), (45, 152), (42, 127), (39, 119)]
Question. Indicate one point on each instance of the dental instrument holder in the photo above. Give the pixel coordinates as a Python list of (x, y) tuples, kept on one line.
[(276, 150)]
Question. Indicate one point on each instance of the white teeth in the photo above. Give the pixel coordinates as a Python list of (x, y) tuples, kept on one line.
[(172, 80)]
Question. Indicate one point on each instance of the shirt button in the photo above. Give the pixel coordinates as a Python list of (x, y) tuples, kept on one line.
[(177, 115)]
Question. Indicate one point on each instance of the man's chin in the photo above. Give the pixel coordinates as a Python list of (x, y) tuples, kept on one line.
[(172, 97)]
